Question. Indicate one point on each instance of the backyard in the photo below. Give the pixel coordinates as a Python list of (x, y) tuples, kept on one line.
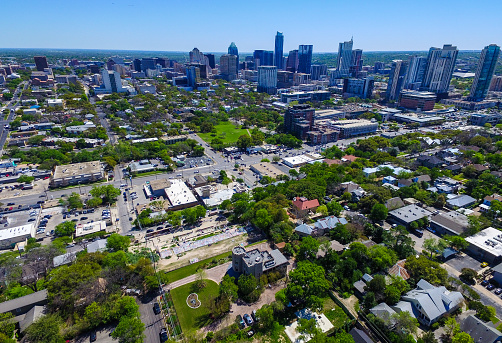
[(192, 319), (226, 131)]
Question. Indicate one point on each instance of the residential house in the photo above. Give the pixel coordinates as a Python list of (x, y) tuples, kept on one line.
[(404, 183), (258, 262), (479, 168), (429, 161), (451, 223), (399, 270), (389, 179), (346, 187), (394, 203), (360, 336), (383, 311), (430, 303), (333, 245), (463, 200), (357, 194), (489, 198), (454, 168), (480, 331), (360, 285), (302, 206), (22, 305), (421, 178)]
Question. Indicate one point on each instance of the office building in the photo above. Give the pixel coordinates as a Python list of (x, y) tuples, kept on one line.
[(379, 67), (112, 81), (210, 60), (202, 69), (396, 79), (257, 263), (193, 75), (279, 44), (77, 173), (361, 88), (439, 69), (284, 79), (352, 127), (163, 62), (419, 120), (415, 74), (267, 79), (484, 72), (415, 100), (232, 50), (317, 71), (298, 120), (486, 245), (228, 69), (357, 62), (263, 58), (305, 58), (137, 64), (480, 119), (496, 84), (196, 56), (344, 58), (41, 63), (292, 61), (147, 64)]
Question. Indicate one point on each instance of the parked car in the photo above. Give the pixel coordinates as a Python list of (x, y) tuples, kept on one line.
[(253, 314), (240, 322), (490, 287), (163, 335), (93, 336), (250, 333), (248, 319), (156, 308), (10, 204), (485, 283), (498, 291), (84, 218), (484, 264), (149, 230)]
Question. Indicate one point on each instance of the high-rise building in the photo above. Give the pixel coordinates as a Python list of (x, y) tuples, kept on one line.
[(196, 56), (41, 62), (193, 75), (305, 58), (344, 58), (147, 63), (484, 72), (267, 79), (298, 120), (210, 60), (279, 47), (362, 88), (163, 62), (496, 84), (379, 66), (439, 69), (357, 62), (396, 79), (264, 57), (415, 74), (232, 50), (292, 62), (318, 70), (112, 81), (137, 64), (228, 69)]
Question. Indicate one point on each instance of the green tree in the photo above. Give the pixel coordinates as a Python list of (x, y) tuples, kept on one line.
[(7, 325), (65, 229), (45, 329), (276, 158), (246, 285), (266, 316), (93, 314), (456, 242), (323, 209), (118, 242), (107, 193), (74, 201), (244, 142), (423, 268), (309, 247), (404, 323), (462, 337), (379, 212), (25, 179), (308, 282), (451, 327), (94, 202), (228, 288), (129, 330)]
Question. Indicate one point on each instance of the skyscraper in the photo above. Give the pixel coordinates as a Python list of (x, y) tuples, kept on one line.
[(292, 62), (193, 75), (41, 62), (396, 79), (357, 61), (196, 56), (439, 69), (266, 57), (344, 58), (484, 72), (305, 58), (211, 61), (147, 63), (267, 79), (415, 74), (228, 69), (112, 81), (318, 70), (232, 50), (279, 44), (137, 64)]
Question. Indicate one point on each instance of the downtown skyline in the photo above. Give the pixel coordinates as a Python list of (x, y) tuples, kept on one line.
[(117, 26)]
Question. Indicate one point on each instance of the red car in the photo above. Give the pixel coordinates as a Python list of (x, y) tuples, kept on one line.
[(10, 208)]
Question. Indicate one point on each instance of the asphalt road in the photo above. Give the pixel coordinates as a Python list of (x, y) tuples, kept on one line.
[(12, 105), (153, 322)]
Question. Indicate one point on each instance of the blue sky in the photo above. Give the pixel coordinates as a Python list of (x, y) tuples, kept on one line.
[(169, 25)]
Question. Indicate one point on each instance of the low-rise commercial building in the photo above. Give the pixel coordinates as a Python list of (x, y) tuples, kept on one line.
[(486, 245), (353, 127), (416, 100), (480, 119), (408, 214), (88, 228), (266, 169), (77, 173), (11, 236), (421, 120), (257, 263)]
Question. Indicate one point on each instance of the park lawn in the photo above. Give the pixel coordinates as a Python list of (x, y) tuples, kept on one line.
[(192, 319), (226, 131), (191, 269)]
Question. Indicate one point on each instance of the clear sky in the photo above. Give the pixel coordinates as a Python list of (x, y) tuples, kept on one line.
[(181, 25)]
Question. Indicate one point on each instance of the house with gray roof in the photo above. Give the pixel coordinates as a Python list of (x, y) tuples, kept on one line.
[(383, 311), (480, 331), (452, 223), (99, 245), (463, 200), (258, 262), (429, 303)]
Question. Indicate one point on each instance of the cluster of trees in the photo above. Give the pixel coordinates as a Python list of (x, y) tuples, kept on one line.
[(189, 216)]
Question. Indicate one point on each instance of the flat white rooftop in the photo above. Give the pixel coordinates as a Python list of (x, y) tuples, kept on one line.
[(179, 194), (490, 240), (86, 229)]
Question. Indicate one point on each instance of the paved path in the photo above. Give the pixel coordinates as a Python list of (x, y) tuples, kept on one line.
[(215, 274)]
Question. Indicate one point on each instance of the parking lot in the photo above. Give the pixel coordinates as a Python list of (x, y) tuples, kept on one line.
[(462, 261)]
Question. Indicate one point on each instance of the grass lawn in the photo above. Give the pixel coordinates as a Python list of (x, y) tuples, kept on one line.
[(191, 269), (334, 313), (226, 131), (192, 319)]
